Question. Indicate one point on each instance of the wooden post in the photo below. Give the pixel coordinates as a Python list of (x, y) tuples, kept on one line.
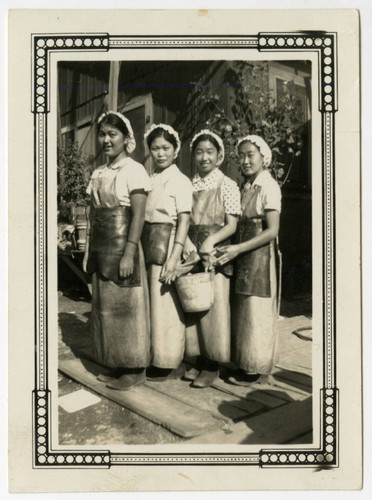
[(112, 97)]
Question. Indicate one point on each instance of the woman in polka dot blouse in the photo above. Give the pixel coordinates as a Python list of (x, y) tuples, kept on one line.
[(214, 215)]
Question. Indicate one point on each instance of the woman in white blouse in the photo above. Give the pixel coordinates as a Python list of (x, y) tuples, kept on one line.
[(255, 303), (166, 225), (215, 210), (120, 322)]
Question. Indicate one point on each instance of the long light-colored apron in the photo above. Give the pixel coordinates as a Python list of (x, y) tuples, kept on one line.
[(208, 333), (120, 320), (254, 317), (167, 316)]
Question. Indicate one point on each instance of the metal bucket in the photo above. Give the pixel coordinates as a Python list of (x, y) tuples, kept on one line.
[(196, 291)]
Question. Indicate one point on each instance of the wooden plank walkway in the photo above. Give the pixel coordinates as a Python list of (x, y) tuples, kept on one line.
[(223, 413), (180, 418)]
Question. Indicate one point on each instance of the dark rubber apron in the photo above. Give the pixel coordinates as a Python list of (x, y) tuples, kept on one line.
[(120, 322), (208, 217), (155, 240), (252, 269), (109, 233), (158, 226)]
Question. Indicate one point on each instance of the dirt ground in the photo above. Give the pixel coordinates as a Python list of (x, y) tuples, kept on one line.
[(106, 422)]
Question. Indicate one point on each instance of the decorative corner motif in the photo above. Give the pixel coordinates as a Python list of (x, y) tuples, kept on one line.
[(325, 456), (322, 42), (44, 456), (43, 46)]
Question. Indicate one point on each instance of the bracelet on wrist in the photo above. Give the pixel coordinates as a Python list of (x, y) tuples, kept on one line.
[(179, 243), (133, 242)]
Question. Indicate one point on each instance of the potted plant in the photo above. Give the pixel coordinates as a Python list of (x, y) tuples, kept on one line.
[(73, 170)]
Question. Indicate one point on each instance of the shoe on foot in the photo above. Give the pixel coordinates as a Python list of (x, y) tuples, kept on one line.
[(244, 379), (205, 378), (128, 381), (111, 375), (105, 378), (161, 374), (191, 374), (195, 370)]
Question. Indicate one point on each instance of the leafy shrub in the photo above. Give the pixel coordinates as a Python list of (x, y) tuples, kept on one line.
[(73, 172), (255, 111)]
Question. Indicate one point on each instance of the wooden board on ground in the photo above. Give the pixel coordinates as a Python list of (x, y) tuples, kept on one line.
[(268, 396), (220, 405), (264, 394), (297, 380), (297, 368), (178, 417), (279, 426)]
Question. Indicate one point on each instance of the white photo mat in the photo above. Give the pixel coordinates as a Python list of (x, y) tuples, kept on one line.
[(38, 40)]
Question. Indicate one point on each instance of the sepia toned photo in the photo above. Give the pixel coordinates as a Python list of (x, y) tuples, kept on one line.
[(211, 372), (186, 205)]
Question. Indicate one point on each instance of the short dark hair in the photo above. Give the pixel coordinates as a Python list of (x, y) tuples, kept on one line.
[(161, 132), (206, 137), (114, 121)]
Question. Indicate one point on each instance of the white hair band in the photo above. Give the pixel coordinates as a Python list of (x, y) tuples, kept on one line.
[(261, 144), (170, 131), (211, 134)]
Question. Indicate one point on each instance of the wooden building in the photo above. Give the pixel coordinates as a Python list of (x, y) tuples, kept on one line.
[(168, 91)]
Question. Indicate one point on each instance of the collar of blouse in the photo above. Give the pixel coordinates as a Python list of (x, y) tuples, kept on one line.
[(120, 163), (213, 176), (258, 180), (167, 172)]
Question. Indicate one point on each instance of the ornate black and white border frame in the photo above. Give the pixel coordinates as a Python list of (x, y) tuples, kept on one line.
[(324, 44)]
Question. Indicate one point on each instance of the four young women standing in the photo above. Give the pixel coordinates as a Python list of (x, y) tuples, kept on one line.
[(177, 218)]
